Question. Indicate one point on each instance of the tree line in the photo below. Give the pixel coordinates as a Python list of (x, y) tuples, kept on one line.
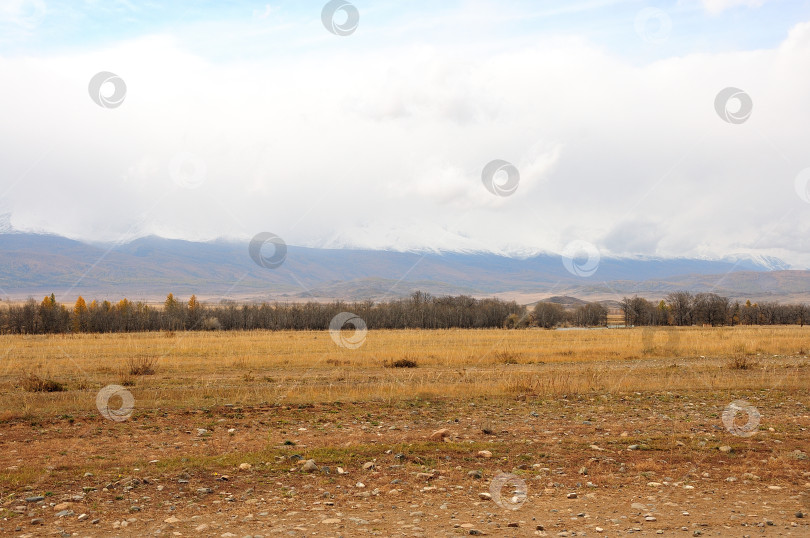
[(682, 308), (418, 311)]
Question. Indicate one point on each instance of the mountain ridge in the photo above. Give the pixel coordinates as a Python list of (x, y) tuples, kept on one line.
[(149, 267)]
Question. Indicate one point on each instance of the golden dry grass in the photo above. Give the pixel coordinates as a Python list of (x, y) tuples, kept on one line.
[(213, 368)]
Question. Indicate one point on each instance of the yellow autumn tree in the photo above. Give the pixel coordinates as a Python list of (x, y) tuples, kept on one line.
[(49, 302), (80, 315), (194, 312)]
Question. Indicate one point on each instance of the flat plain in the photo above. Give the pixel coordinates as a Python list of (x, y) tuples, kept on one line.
[(674, 431)]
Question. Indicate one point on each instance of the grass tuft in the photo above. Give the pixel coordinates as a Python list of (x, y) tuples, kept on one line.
[(31, 382), (142, 366)]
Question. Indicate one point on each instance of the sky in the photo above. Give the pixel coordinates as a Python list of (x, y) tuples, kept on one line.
[(212, 119)]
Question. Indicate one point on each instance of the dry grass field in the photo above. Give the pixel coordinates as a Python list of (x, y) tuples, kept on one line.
[(607, 432)]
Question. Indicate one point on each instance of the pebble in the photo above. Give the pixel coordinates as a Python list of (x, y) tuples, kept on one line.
[(572, 495), (484, 454), (439, 435), (310, 466), (34, 499)]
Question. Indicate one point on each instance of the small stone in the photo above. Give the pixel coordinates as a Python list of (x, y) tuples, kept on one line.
[(439, 435), (725, 449), (330, 521), (484, 454), (37, 521), (171, 520), (475, 474), (64, 513), (245, 466), (599, 529), (34, 499), (310, 466), (82, 517), (369, 465), (202, 431), (572, 495), (485, 496), (633, 447), (204, 491), (202, 528), (650, 518)]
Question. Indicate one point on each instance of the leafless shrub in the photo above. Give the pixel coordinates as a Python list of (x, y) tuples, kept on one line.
[(742, 362), (405, 362)]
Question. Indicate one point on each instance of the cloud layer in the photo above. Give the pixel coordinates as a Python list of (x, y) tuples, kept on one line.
[(365, 142)]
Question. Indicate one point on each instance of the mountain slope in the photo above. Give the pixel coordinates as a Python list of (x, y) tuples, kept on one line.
[(150, 267)]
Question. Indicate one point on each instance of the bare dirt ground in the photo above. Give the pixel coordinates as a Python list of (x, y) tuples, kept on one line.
[(642, 463)]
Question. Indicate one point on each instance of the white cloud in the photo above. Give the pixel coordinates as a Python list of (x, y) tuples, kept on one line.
[(352, 143), (718, 6)]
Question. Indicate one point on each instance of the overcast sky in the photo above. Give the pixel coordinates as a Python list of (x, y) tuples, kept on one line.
[(245, 117)]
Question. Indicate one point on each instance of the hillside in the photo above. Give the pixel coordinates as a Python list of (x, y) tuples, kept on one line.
[(149, 267)]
